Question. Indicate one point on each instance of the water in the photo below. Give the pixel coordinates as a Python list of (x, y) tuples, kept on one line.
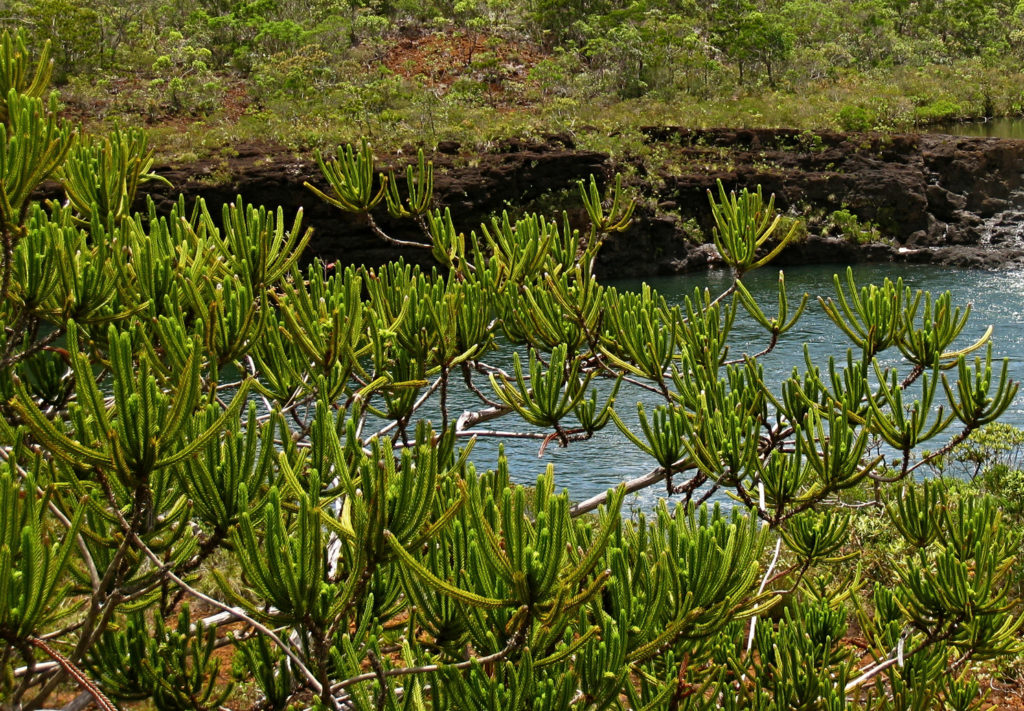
[(589, 468), (993, 128), (1006, 227)]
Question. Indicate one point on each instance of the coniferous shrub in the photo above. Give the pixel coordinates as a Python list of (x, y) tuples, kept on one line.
[(195, 421)]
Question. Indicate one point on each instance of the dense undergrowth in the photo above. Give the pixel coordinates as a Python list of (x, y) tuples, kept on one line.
[(315, 74)]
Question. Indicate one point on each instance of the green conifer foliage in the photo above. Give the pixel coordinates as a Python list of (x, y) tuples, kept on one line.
[(17, 73), (200, 429)]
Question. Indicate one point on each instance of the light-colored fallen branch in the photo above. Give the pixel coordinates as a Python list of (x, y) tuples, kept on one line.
[(471, 419), (79, 703), (642, 482), (40, 668), (760, 590), (503, 434), (871, 673)]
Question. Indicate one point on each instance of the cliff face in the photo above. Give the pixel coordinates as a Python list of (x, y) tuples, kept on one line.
[(472, 187), (939, 198)]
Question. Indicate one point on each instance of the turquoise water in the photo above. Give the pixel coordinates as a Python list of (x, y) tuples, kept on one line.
[(589, 468)]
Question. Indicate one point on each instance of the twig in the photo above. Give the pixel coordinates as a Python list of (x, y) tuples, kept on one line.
[(164, 570), (382, 679), (467, 377), (944, 449), (77, 674), (514, 642), (32, 349), (41, 668), (767, 349), (391, 240), (416, 406)]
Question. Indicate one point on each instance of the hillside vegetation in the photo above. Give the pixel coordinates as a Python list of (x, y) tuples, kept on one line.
[(316, 73)]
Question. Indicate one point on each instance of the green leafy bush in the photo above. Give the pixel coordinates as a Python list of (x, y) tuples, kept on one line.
[(938, 110), (856, 118), (849, 226)]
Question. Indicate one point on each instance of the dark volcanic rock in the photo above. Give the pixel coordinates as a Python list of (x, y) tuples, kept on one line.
[(904, 184), (474, 188), (936, 198)]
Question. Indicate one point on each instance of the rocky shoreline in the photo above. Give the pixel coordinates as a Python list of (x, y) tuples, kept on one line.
[(940, 199)]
